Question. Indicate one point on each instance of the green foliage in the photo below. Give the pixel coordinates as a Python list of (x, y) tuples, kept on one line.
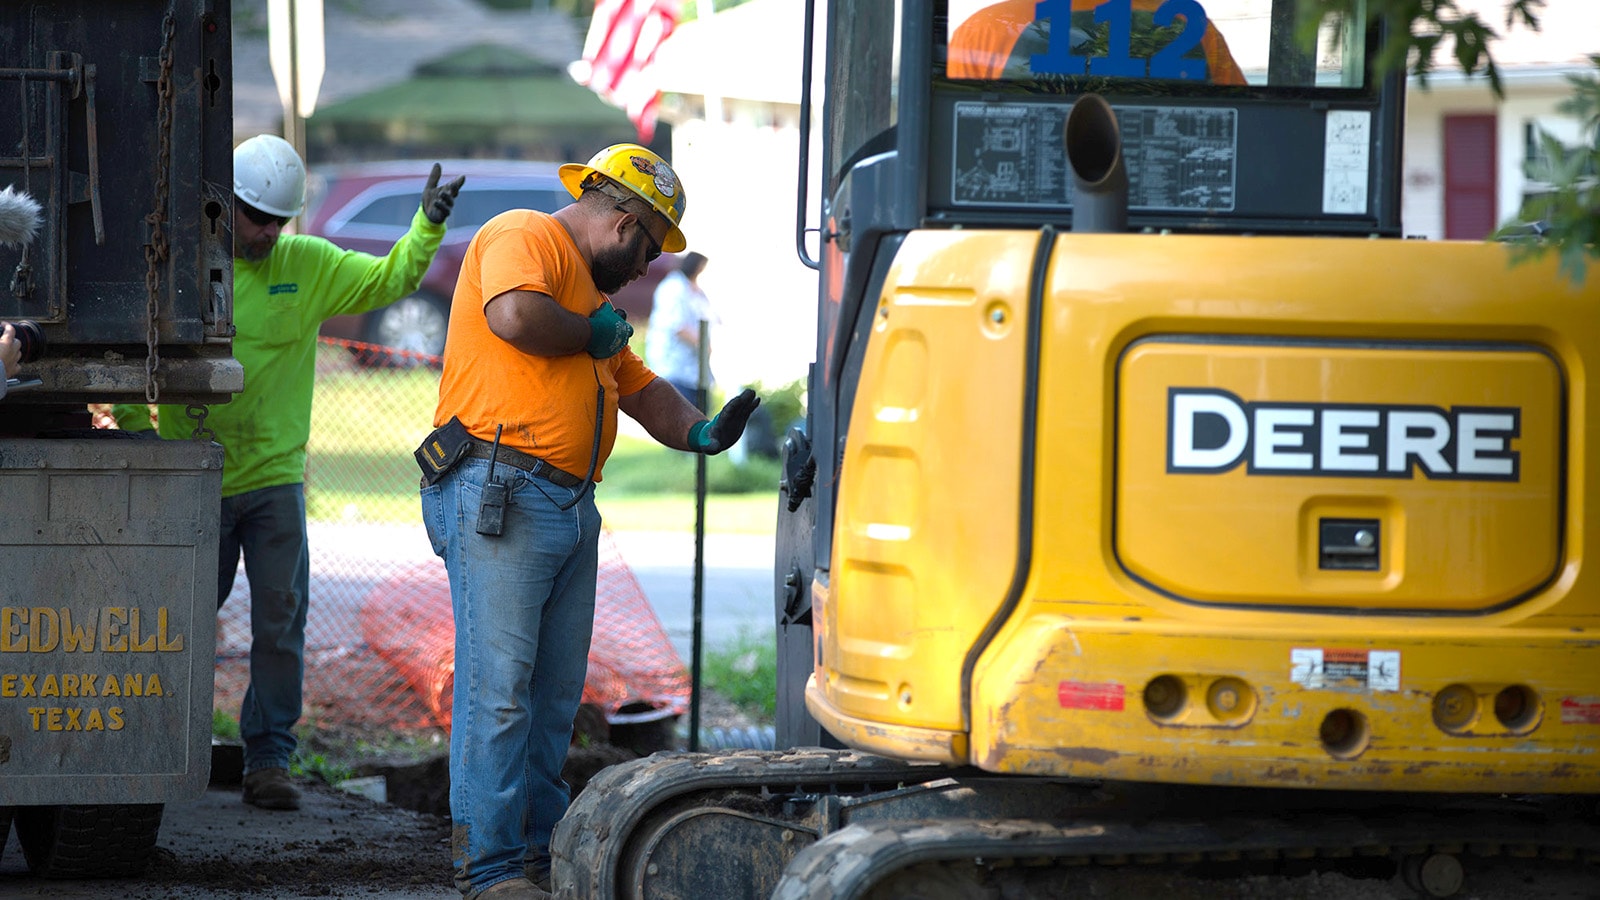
[(1426, 25), (786, 403), (639, 466), (316, 764), (745, 671), (224, 726), (1568, 216)]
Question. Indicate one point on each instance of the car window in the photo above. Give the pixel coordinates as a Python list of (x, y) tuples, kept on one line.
[(393, 210), (473, 208)]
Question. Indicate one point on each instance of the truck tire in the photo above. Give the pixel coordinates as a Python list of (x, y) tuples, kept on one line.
[(98, 841), (415, 324)]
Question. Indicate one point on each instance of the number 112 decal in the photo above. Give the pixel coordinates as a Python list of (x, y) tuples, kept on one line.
[(1067, 52)]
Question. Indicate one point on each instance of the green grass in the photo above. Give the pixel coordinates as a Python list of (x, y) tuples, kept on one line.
[(745, 670), (725, 513), (224, 726), (365, 424), (319, 766)]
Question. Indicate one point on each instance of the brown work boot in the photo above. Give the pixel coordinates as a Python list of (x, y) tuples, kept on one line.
[(538, 872), (271, 789), (513, 889)]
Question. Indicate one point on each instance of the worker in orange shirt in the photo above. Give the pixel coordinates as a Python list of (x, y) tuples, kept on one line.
[(1000, 41)]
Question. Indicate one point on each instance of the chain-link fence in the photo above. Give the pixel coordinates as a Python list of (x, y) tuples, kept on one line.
[(380, 649)]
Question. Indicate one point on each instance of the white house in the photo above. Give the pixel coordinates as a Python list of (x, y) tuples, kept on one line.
[(1466, 153), (736, 141)]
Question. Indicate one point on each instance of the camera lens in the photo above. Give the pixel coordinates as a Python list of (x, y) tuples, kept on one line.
[(30, 340)]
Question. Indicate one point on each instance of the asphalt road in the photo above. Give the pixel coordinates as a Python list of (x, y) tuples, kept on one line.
[(736, 590)]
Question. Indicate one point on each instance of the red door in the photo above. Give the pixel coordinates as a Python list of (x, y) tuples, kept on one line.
[(1469, 177)]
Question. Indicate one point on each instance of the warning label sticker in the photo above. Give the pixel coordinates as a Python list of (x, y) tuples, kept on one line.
[(1337, 667), (1580, 710), (1098, 695)]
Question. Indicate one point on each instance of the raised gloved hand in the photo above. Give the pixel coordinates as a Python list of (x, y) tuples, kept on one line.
[(10, 349), (438, 201), (725, 427), (609, 331)]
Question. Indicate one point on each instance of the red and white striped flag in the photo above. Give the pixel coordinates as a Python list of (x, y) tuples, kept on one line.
[(623, 37)]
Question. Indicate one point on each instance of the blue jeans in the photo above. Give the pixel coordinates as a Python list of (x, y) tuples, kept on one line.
[(524, 612), (269, 527)]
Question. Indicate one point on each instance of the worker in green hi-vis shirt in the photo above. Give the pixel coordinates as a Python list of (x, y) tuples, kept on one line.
[(284, 288)]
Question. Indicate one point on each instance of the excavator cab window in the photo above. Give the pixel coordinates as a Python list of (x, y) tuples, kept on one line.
[(1234, 115), (1148, 46), (863, 107)]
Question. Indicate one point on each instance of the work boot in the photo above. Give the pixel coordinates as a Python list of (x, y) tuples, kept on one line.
[(538, 871), (513, 889), (271, 789)]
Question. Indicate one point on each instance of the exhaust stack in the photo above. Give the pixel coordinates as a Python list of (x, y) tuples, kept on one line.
[(1093, 143)]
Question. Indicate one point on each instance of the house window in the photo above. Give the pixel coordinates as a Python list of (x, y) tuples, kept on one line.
[(1537, 189)]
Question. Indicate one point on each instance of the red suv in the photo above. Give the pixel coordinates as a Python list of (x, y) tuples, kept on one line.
[(368, 206)]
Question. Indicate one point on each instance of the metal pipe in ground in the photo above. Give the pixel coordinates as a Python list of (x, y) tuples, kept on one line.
[(702, 395)]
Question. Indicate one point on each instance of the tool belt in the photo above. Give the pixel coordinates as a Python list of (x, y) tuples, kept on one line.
[(450, 443), (442, 449), (527, 462)]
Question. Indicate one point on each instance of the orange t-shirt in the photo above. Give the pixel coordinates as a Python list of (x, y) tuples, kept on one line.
[(981, 46), (546, 403)]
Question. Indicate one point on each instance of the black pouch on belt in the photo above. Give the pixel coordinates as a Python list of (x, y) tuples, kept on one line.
[(442, 449)]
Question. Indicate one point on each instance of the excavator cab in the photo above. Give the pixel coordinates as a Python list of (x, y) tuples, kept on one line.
[(1156, 502), (1229, 118)]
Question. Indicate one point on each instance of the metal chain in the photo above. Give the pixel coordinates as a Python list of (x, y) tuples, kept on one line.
[(198, 412), (157, 251), (22, 278)]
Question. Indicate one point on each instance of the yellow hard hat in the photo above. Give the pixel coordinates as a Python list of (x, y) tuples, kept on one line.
[(644, 173)]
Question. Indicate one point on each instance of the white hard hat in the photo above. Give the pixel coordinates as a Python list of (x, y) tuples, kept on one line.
[(269, 175)]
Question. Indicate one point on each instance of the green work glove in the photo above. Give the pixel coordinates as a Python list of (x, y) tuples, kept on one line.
[(609, 331), (725, 427), (438, 201)]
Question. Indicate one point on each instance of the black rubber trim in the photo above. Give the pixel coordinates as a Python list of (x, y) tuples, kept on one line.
[(1043, 254)]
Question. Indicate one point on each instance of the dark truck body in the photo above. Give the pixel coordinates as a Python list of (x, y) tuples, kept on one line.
[(117, 119)]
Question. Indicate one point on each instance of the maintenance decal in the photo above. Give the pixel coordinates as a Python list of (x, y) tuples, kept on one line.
[(1337, 667), (1011, 154)]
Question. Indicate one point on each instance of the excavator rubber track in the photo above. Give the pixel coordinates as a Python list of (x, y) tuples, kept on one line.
[(836, 824)]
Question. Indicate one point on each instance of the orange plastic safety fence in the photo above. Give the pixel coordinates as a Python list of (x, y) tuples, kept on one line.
[(379, 633)]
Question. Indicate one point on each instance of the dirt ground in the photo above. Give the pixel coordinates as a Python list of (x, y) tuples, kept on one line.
[(341, 845), (345, 846)]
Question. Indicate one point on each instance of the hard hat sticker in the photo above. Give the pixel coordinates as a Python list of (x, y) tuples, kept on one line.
[(666, 181)]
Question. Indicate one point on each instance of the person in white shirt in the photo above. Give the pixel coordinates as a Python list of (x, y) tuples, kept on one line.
[(10, 353), (672, 341)]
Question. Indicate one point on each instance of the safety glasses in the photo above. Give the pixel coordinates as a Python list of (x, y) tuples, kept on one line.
[(655, 248), (261, 219)]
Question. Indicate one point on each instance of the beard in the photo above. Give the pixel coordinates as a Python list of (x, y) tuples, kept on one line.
[(253, 251), (614, 267)]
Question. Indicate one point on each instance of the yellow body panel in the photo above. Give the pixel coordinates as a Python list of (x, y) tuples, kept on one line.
[(944, 349), (1448, 539), (1043, 580)]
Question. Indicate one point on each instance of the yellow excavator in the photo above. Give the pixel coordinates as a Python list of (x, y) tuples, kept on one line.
[(1157, 502)]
